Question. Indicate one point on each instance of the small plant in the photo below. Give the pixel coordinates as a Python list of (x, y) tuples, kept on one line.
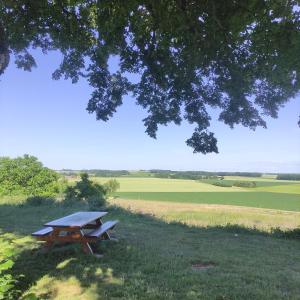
[(7, 282)]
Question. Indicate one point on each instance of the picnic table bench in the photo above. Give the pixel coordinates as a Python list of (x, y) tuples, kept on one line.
[(81, 227)]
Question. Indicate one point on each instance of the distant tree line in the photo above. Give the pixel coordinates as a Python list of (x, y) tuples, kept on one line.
[(288, 176), (198, 175), (96, 172)]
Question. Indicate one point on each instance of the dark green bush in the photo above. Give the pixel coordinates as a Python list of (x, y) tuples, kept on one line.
[(222, 184), (95, 202), (111, 186), (39, 200), (85, 190), (246, 184)]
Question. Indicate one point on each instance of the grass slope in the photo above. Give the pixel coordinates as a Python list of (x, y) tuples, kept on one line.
[(214, 215), (152, 260), (281, 201)]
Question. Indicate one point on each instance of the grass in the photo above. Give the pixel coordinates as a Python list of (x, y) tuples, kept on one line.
[(172, 225), (290, 189), (153, 260), (281, 201), (214, 215), (166, 185)]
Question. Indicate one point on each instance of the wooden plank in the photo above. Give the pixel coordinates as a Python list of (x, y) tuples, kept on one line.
[(42, 232), (77, 220), (102, 229)]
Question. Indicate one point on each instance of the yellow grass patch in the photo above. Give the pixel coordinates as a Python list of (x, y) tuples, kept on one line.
[(166, 185), (212, 214)]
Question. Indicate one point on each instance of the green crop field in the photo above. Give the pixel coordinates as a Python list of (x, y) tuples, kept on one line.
[(269, 193), (252, 199)]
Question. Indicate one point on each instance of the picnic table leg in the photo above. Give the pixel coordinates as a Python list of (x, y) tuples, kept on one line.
[(86, 247), (99, 222)]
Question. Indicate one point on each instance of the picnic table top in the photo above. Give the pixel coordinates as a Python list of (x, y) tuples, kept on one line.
[(78, 219)]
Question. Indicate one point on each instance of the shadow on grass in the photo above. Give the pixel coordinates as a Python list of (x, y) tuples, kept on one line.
[(149, 260)]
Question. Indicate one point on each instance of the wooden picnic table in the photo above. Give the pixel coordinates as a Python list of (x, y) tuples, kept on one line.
[(81, 227)]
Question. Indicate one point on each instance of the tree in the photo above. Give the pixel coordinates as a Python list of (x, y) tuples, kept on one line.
[(111, 186), (241, 57), (26, 175), (86, 190)]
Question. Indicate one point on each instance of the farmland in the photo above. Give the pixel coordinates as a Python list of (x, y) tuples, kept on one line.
[(269, 193), (247, 236)]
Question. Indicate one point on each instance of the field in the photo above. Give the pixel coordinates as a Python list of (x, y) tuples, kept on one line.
[(245, 241)]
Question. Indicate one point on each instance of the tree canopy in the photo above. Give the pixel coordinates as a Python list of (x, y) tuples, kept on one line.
[(241, 57), (27, 176)]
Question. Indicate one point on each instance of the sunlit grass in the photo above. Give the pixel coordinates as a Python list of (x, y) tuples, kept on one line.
[(290, 189), (214, 215), (166, 185)]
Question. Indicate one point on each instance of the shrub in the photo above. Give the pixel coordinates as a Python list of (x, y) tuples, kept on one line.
[(26, 175), (222, 183), (246, 184), (95, 202), (39, 200), (85, 190), (111, 186)]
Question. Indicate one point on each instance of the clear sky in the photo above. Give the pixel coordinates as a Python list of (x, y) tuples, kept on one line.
[(48, 119)]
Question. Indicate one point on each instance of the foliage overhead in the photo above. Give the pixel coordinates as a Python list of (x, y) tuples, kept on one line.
[(26, 175), (241, 57)]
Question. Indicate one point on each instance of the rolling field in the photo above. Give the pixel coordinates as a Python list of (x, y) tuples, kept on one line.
[(280, 201), (269, 193), (247, 237), (272, 204), (166, 185)]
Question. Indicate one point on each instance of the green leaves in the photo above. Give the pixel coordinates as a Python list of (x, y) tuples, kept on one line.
[(239, 57), (7, 281), (26, 175)]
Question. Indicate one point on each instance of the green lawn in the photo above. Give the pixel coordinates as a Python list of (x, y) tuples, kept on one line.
[(152, 260), (281, 201)]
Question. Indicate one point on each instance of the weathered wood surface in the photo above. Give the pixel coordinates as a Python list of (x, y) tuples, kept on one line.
[(77, 220), (102, 229), (42, 232)]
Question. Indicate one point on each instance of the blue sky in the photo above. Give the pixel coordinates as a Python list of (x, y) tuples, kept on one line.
[(48, 119)]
